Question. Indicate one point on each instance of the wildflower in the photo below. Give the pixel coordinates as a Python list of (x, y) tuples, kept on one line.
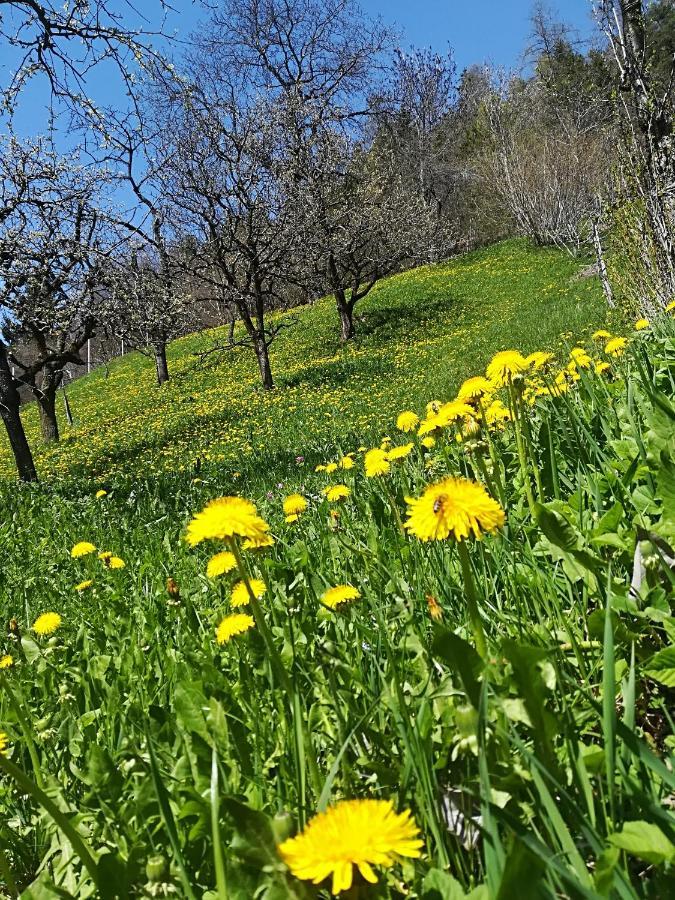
[(601, 367), (347, 462), (434, 608), (47, 623), (101, 494), (504, 365), (83, 585), (115, 562), (616, 346), (352, 833), (258, 543), (336, 493), (407, 421), (294, 505), (671, 306), (220, 564), (290, 520), (330, 468), (400, 452), (474, 389), (320, 468), (580, 358), (453, 506), (6, 661), (452, 411), (641, 324), (432, 407), (233, 625), (496, 413), (224, 518), (83, 548), (376, 462), (601, 335), (4, 743), (336, 596), (538, 359), (429, 425), (240, 595), (428, 442), (105, 555)]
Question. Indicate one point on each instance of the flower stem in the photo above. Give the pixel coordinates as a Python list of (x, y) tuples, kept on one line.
[(25, 728), (522, 458), (472, 599)]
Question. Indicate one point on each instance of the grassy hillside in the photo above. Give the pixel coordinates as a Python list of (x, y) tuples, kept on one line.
[(440, 667), (419, 334)]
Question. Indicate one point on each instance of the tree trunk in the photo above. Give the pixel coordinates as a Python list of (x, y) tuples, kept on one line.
[(346, 312), (48, 421), (9, 412), (160, 363), (263, 356), (45, 394)]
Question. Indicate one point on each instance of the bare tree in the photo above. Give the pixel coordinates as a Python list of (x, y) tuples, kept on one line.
[(648, 118), (51, 248)]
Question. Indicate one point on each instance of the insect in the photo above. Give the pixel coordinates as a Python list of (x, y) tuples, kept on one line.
[(438, 503)]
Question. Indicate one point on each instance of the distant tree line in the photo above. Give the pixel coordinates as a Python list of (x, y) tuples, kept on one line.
[(295, 150)]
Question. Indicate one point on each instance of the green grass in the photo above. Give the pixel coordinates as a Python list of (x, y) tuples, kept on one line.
[(144, 759), (419, 335)]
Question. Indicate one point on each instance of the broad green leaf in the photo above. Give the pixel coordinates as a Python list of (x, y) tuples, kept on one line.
[(661, 666), (646, 841)]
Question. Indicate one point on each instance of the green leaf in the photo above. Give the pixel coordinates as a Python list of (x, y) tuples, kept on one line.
[(460, 657), (523, 872), (190, 705), (439, 885), (646, 841), (661, 667), (556, 528)]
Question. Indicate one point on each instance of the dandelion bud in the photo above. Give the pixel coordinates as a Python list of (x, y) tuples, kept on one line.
[(156, 869), (282, 825)]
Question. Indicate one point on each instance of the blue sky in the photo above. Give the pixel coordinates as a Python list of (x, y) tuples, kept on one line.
[(494, 31)]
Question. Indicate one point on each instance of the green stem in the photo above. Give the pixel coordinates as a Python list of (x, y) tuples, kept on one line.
[(522, 458), (472, 599), (52, 810), (7, 876), (25, 728)]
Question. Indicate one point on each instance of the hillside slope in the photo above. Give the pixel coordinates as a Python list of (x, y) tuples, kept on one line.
[(419, 334)]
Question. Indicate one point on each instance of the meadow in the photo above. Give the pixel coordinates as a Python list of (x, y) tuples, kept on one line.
[(421, 645)]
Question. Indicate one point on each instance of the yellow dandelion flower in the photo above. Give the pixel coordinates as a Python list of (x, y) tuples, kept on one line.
[(428, 442), (538, 359), (616, 346), (105, 555), (4, 743), (671, 306), (6, 661), (474, 389), (601, 335), (336, 493), (432, 407), (347, 462), (233, 625), (240, 595), (225, 518), (47, 623), (453, 506), (290, 520), (221, 564), (641, 324), (452, 412), (258, 543), (400, 452), (407, 421), (101, 494), (496, 413), (602, 367), (114, 562), (83, 548), (359, 833), (504, 365), (294, 504), (331, 467), (320, 468), (83, 585), (580, 358), (335, 596), (429, 425), (376, 462)]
